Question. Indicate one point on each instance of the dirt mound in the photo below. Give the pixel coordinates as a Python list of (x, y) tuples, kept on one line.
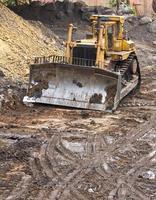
[(20, 42), (60, 14), (51, 13)]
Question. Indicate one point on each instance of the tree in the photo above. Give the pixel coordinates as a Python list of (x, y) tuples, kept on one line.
[(15, 2), (10, 2)]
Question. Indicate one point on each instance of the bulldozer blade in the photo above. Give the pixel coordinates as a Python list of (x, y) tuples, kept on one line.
[(73, 86)]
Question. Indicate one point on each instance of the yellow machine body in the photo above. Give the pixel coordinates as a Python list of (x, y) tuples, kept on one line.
[(109, 39), (90, 74)]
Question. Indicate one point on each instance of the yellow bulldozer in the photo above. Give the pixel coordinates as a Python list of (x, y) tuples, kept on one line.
[(95, 73)]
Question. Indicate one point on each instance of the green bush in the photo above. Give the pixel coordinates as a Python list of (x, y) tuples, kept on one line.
[(15, 2), (9, 2), (113, 3)]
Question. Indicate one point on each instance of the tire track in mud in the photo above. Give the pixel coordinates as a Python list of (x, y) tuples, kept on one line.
[(21, 190), (96, 153), (48, 166), (131, 139), (129, 178), (132, 136), (70, 178), (61, 172)]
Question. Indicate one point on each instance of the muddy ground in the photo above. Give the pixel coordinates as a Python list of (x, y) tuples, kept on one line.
[(55, 153)]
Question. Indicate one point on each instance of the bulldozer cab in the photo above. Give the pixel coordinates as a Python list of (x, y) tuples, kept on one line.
[(105, 39), (110, 37), (113, 26)]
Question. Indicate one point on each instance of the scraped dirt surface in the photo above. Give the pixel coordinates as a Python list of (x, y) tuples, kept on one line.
[(55, 153)]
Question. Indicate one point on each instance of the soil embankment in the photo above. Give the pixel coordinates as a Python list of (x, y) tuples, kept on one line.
[(20, 42)]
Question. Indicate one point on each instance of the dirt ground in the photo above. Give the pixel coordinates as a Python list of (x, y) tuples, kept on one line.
[(55, 153)]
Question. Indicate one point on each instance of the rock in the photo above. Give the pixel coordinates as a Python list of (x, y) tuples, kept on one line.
[(2, 74), (1, 90), (106, 167), (88, 11), (84, 114), (2, 99), (68, 7), (92, 122), (154, 42), (152, 27), (109, 139), (149, 175), (50, 7), (131, 19), (35, 4), (60, 15), (78, 7), (90, 190), (154, 59), (80, 4), (125, 9), (145, 20), (30, 105), (104, 10), (10, 92), (86, 16)]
